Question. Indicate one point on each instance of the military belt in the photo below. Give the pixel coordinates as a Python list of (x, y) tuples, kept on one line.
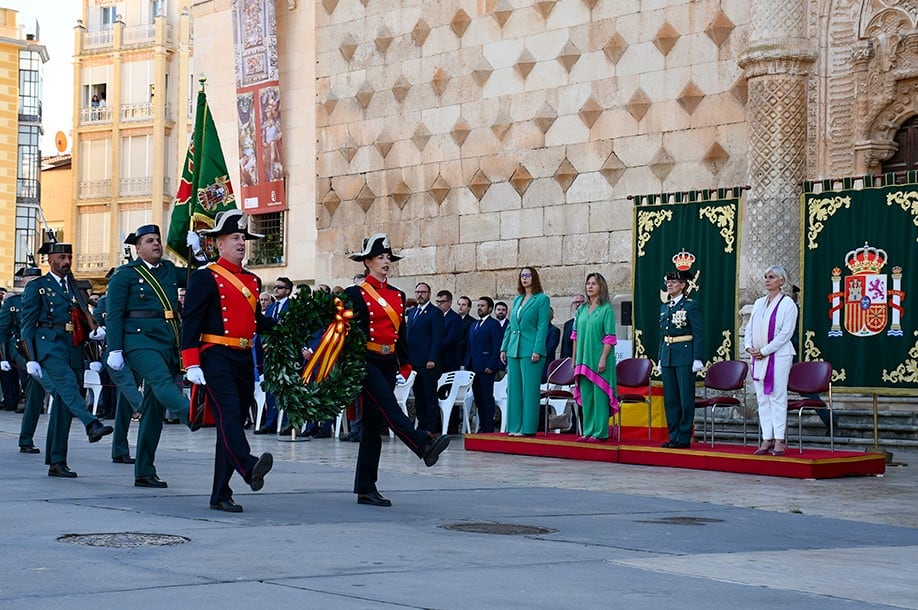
[(380, 348), (145, 314), (234, 342), (679, 339), (68, 326)]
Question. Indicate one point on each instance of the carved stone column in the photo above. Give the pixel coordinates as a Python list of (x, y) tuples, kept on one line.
[(777, 63)]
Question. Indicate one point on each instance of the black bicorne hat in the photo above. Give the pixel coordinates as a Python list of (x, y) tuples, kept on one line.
[(229, 222), (28, 272), (682, 276), (374, 246)]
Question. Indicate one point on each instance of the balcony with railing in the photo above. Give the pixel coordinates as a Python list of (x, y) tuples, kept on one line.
[(98, 115), (135, 187), (91, 263), (143, 35), (97, 41), (136, 112), (95, 189)]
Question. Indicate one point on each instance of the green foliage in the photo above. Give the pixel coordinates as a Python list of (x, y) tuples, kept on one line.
[(305, 321)]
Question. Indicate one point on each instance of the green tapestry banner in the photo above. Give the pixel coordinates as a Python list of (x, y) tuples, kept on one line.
[(859, 246), (697, 232)]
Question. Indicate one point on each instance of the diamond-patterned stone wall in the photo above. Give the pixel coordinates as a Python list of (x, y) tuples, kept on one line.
[(487, 135)]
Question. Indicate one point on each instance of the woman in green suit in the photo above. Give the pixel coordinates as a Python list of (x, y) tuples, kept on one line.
[(522, 350)]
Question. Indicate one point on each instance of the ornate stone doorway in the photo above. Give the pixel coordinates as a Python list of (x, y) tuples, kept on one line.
[(906, 157)]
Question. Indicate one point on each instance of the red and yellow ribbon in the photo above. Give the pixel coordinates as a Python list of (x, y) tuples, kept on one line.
[(326, 354)]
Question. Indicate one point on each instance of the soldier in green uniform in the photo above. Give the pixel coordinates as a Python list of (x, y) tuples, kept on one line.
[(48, 329), (10, 328), (127, 396), (142, 330), (681, 345)]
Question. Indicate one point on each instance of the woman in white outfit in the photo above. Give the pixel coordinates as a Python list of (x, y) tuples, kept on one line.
[(768, 342)]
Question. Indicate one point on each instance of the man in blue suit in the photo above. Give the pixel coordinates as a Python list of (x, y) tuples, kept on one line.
[(425, 339), (451, 357), (484, 360), (283, 288)]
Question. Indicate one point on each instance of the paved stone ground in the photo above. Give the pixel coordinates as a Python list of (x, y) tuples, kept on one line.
[(627, 536)]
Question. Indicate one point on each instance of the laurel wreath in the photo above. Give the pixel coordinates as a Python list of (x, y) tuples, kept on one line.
[(306, 319)]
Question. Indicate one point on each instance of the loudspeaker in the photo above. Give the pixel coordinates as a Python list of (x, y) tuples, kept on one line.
[(626, 313)]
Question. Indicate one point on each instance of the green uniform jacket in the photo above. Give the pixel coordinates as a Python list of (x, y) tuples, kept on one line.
[(9, 328), (528, 331), (680, 320), (45, 302), (129, 292)]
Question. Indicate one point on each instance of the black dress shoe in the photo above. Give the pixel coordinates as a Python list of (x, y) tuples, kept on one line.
[(150, 480), (434, 449), (374, 498), (29, 449), (227, 506), (285, 431), (95, 430), (123, 459), (60, 470), (266, 430), (259, 470), (323, 434), (680, 445), (667, 445)]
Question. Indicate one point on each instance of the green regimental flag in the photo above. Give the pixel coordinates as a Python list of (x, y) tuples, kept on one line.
[(205, 187), (860, 282), (699, 233)]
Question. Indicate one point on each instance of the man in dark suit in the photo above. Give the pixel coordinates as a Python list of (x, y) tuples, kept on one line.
[(49, 325), (484, 360), (451, 356), (464, 309), (552, 340), (283, 288), (425, 339), (567, 346), (681, 351), (500, 315)]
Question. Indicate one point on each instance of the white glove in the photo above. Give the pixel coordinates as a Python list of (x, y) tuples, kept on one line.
[(193, 241), (98, 334), (95, 366), (697, 366), (115, 360), (5, 366), (33, 369), (195, 375)]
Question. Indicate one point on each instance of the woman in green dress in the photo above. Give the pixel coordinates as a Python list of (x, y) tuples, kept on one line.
[(594, 372)]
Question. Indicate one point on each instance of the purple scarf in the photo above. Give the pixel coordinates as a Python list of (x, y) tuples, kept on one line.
[(769, 381)]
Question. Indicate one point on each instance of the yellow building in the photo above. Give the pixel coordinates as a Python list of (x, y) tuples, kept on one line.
[(133, 111), (21, 60)]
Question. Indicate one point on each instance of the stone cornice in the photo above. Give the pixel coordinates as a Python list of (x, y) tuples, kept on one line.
[(789, 57)]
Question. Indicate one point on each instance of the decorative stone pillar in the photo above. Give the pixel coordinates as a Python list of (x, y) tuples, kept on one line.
[(777, 63)]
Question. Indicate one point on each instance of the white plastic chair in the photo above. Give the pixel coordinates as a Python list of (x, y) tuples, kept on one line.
[(259, 402), (93, 383), (459, 382), (500, 401)]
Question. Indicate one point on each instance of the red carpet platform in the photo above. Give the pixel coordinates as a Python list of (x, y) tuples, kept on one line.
[(811, 464)]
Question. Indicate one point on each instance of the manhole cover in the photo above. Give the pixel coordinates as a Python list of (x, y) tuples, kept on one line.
[(124, 540), (501, 529), (682, 520)]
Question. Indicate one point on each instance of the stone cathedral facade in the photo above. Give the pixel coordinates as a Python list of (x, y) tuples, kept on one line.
[(484, 135)]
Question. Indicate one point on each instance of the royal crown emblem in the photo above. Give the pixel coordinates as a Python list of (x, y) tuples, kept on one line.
[(866, 296), (683, 261)]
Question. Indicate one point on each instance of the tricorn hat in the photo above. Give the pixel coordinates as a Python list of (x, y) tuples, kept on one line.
[(131, 239), (28, 272), (229, 222), (682, 276), (374, 246), (55, 247)]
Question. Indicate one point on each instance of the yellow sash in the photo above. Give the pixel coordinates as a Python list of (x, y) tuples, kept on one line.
[(235, 282), (396, 320)]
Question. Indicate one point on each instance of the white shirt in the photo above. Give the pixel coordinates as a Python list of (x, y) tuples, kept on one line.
[(785, 325)]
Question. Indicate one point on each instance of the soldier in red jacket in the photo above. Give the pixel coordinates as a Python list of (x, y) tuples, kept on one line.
[(220, 318), (379, 308)]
